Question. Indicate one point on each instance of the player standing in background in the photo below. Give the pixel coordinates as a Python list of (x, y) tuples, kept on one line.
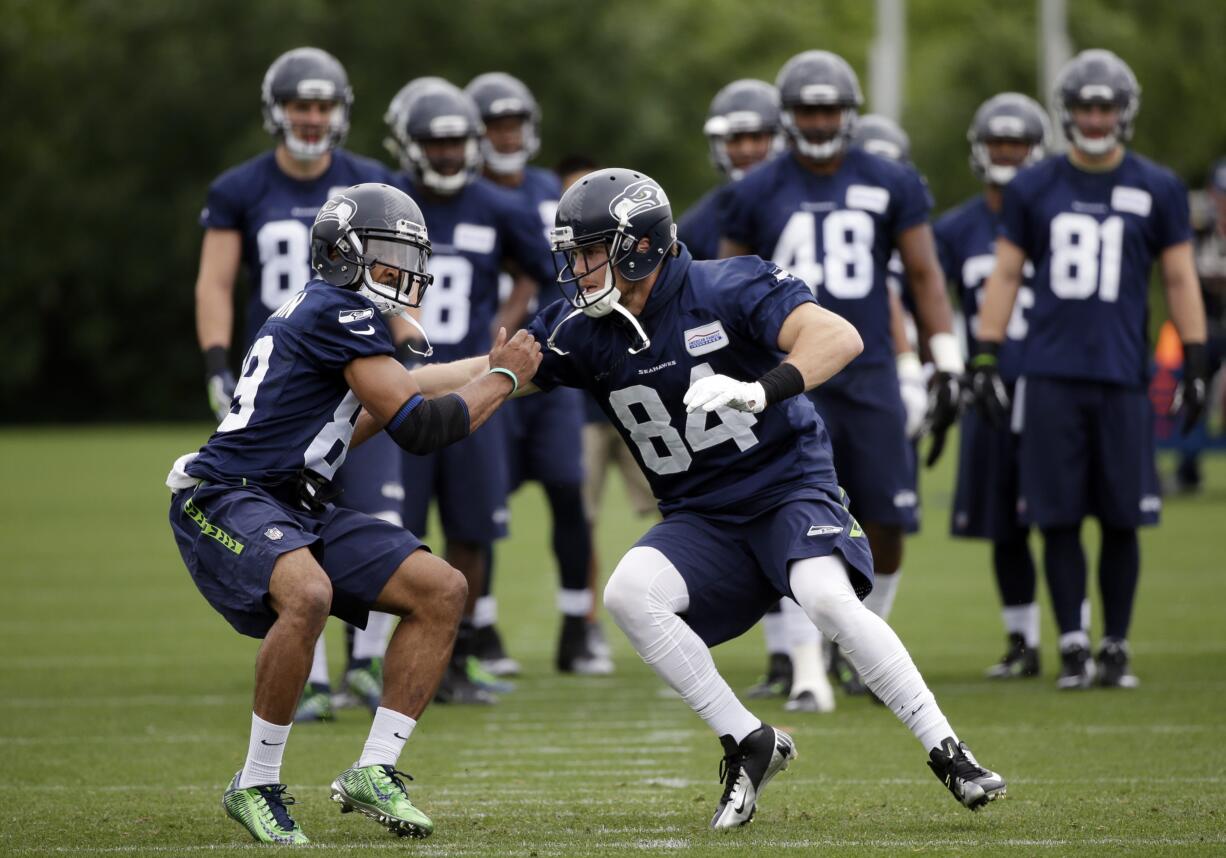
[(1092, 223), (742, 469), (742, 130), (832, 216), (258, 215), (544, 432), (250, 515), (478, 229), (1010, 131)]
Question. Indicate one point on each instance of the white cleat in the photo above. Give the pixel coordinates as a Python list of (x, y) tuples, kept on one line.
[(746, 770)]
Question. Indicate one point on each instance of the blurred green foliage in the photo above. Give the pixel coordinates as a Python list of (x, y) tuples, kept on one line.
[(121, 113)]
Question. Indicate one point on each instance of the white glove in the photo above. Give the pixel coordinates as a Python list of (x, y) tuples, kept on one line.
[(914, 393), (720, 391)]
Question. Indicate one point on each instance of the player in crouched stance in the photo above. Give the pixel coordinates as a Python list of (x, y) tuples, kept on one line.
[(742, 469), (265, 548)]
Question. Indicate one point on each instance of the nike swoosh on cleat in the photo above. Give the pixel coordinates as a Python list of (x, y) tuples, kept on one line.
[(270, 744)]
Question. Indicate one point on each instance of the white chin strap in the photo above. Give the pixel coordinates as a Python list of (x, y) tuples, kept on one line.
[(503, 163), (608, 302), (1094, 145), (416, 324), (441, 184), (819, 151)]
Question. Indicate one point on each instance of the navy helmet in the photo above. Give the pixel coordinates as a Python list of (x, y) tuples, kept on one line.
[(1097, 76), (882, 136), (821, 79), (434, 109), (498, 94), (1007, 116), (745, 106), (308, 74)]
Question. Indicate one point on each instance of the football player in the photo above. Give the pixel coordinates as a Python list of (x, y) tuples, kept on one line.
[(258, 216), (1092, 223), (832, 216), (1010, 131), (250, 515), (479, 230), (545, 431), (742, 469), (742, 130)]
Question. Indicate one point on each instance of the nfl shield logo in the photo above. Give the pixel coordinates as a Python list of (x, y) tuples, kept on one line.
[(274, 533)]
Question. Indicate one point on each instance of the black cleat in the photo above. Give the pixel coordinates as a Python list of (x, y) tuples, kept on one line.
[(778, 679), (1077, 670), (457, 688), (488, 648), (842, 672), (746, 770), (956, 767), (1113, 665), (1019, 661), (575, 653)]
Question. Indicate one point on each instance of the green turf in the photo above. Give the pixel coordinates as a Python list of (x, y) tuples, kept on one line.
[(124, 703)]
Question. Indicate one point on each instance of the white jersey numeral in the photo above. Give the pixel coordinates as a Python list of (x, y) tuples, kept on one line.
[(846, 271), (1085, 256), (975, 272), (447, 307), (285, 251), (255, 367), (339, 430)]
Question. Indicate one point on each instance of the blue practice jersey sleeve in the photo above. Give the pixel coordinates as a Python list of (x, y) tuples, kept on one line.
[(1013, 223), (344, 331), (525, 241), (914, 202), (1174, 223), (223, 206), (760, 299)]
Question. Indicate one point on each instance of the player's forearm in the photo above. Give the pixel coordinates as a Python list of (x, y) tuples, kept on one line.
[(366, 428), (483, 396), (439, 379), (214, 314), (1184, 301), (999, 293)]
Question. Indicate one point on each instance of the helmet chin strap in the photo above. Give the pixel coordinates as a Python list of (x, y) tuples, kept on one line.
[(1000, 175), (608, 302), (404, 314), (1094, 145)]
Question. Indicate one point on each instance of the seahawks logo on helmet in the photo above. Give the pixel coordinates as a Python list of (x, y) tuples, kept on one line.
[(638, 197), (340, 209)]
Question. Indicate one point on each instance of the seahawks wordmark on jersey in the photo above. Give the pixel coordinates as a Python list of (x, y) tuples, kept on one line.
[(1093, 238), (274, 213), (836, 232), (703, 318), (292, 408)]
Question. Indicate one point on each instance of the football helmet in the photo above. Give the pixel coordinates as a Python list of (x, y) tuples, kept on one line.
[(1097, 77), (1007, 116), (882, 136), (744, 106), (616, 208), (310, 74), (823, 79), (370, 224), (434, 109), (498, 94)]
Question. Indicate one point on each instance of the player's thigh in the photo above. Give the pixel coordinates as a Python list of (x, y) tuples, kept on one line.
[(728, 592), (371, 479), (1054, 450), (423, 584), (1123, 473), (360, 554), (472, 486)]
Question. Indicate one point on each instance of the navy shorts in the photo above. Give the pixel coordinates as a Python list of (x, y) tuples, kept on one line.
[(1087, 449), (370, 479), (735, 572), (863, 412), (469, 479), (230, 537), (986, 495), (545, 438)]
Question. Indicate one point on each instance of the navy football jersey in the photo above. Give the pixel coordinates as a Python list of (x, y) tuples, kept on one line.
[(292, 407), (703, 318), (540, 191), (1093, 238), (699, 227), (966, 244), (274, 213), (834, 232), (472, 233)]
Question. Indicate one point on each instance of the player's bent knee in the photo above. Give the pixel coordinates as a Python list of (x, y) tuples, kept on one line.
[(645, 581), (299, 590)]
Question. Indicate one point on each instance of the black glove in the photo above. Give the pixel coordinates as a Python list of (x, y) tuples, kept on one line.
[(1191, 392), (218, 380), (986, 389), (315, 492), (942, 412)]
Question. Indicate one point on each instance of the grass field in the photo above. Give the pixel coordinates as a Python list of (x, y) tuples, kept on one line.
[(125, 703)]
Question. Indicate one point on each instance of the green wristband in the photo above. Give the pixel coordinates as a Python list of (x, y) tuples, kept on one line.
[(502, 370)]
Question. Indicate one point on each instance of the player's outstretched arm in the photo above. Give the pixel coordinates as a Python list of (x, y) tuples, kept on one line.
[(220, 254), (986, 388), (1187, 310), (392, 398)]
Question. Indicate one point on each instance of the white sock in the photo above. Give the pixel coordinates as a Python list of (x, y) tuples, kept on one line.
[(388, 733), (1072, 639), (774, 633), (822, 588), (319, 665), (644, 595), (371, 642), (485, 612), (1023, 620), (575, 603), (881, 600), (264, 751)]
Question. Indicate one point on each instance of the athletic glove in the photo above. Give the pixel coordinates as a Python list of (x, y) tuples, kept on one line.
[(943, 404), (988, 392), (1192, 390), (718, 391), (218, 381)]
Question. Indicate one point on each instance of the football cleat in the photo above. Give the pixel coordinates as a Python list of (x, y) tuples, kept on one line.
[(379, 792), (482, 677), (1019, 661), (1077, 670), (575, 654), (457, 688), (956, 767), (1113, 665), (745, 771), (491, 653), (810, 701), (262, 811), (842, 672), (596, 641), (315, 705), (365, 684), (778, 679)]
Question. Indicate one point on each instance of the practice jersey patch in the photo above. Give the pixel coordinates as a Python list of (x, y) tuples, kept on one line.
[(1132, 200), (474, 238), (868, 198), (706, 338)]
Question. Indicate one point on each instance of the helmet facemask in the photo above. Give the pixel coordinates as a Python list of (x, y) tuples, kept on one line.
[(510, 163), (302, 150), (821, 147)]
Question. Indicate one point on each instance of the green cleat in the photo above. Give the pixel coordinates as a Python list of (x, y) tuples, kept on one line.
[(262, 811), (314, 706), (366, 684), (378, 792)]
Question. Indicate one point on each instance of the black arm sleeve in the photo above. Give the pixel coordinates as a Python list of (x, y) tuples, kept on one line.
[(423, 425)]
